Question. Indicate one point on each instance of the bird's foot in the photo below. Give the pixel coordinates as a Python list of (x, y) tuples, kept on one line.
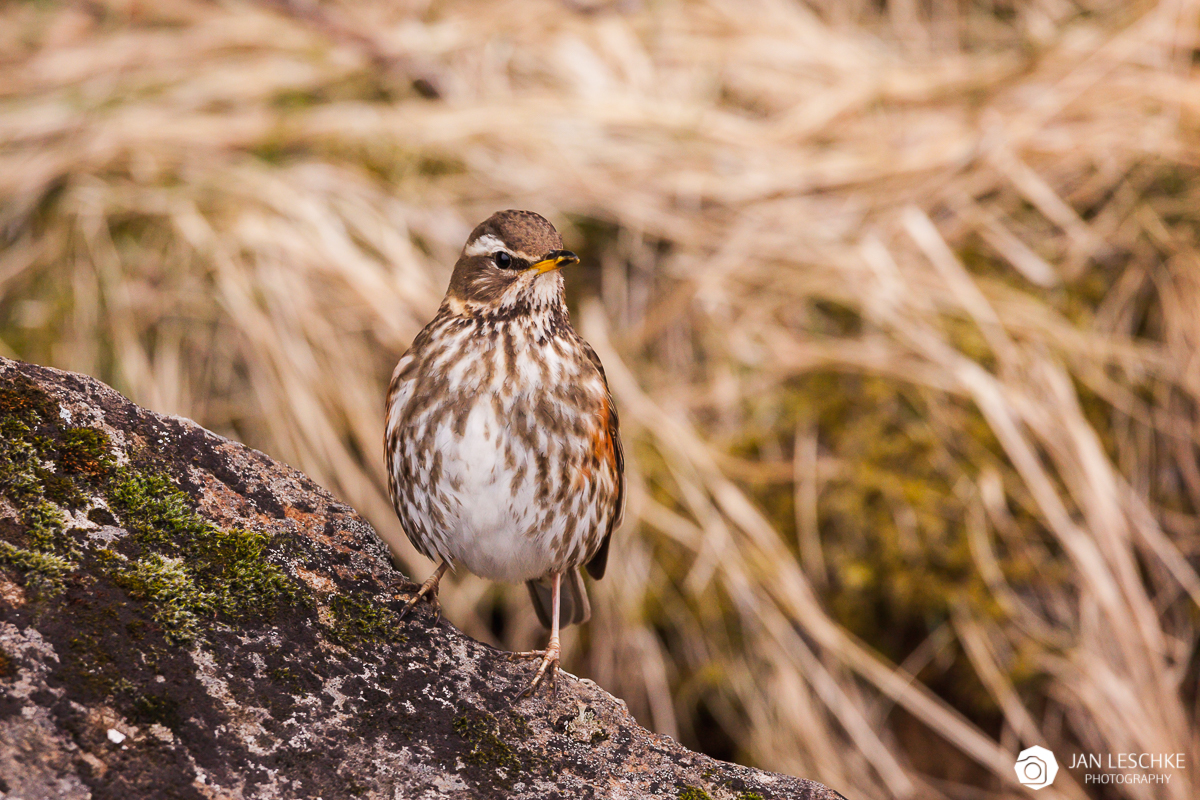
[(428, 590), (549, 664)]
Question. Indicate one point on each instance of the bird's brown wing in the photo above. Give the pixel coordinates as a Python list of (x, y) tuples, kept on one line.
[(612, 452)]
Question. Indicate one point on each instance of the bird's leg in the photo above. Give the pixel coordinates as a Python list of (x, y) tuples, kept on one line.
[(429, 589), (553, 649)]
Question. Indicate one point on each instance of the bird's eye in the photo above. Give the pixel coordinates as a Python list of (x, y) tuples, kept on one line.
[(503, 260)]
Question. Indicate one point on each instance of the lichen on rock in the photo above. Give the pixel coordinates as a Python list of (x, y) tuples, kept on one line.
[(182, 617)]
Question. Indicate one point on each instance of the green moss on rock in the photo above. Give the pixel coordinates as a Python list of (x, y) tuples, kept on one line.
[(358, 619), (184, 567), (286, 678), (45, 524), (19, 462), (60, 489), (154, 509), (43, 572), (245, 584), (84, 451), (219, 572), (487, 749), (202, 569), (21, 397), (169, 586)]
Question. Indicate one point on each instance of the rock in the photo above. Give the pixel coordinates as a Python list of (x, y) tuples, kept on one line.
[(182, 617)]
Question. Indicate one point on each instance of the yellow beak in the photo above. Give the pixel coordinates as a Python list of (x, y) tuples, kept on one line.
[(555, 260)]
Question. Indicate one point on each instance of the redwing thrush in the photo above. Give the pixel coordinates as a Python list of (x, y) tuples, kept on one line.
[(503, 453)]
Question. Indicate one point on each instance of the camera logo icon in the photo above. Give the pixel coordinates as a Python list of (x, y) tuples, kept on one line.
[(1036, 767)]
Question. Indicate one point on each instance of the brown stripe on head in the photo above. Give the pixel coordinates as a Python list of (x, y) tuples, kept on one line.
[(492, 270), (524, 234)]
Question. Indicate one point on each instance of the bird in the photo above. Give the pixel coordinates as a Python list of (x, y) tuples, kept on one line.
[(503, 448)]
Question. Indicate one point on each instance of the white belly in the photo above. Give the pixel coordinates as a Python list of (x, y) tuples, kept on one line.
[(492, 510)]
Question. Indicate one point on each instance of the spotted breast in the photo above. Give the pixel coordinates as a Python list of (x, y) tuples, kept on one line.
[(502, 442)]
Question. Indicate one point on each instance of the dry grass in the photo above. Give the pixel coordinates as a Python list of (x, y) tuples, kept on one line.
[(901, 309)]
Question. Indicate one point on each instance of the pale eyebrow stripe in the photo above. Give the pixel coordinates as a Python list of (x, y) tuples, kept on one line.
[(485, 245)]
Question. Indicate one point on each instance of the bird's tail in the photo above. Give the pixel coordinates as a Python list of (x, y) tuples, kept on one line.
[(574, 608)]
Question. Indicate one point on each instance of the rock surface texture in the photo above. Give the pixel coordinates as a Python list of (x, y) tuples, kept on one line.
[(181, 617)]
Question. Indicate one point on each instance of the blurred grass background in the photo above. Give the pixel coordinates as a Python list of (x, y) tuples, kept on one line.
[(900, 302)]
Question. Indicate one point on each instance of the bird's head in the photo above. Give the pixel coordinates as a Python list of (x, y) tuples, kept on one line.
[(509, 267)]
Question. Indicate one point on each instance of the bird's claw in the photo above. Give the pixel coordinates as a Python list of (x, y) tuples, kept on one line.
[(432, 599), (549, 665), (428, 590)]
